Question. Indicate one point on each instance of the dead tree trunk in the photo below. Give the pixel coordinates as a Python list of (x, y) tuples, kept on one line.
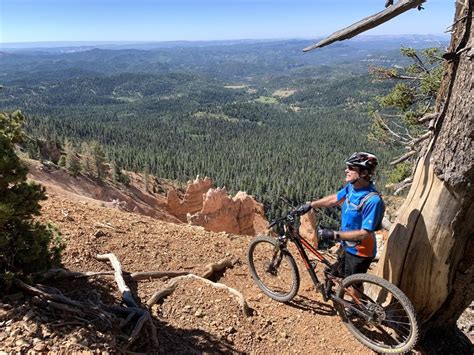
[(430, 251)]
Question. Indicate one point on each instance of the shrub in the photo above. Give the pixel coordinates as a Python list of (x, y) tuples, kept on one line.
[(26, 245)]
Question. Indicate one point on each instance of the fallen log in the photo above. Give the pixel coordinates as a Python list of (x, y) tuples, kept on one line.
[(212, 268), (128, 299), (65, 274), (127, 296)]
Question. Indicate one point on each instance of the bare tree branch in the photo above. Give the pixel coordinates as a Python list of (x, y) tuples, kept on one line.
[(171, 286), (368, 23), (450, 28), (403, 157), (138, 276), (401, 188), (123, 288), (403, 185), (419, 63), (398, 187), (387, 128), (428, 117), (407, 132), (129, 300), (210, 269), (65, 274), (421, 138)]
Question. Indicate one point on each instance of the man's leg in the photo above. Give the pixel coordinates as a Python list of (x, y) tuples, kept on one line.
[(354, 264), (338, 267)]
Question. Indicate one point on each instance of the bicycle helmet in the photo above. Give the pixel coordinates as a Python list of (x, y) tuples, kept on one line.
[(363, 161)]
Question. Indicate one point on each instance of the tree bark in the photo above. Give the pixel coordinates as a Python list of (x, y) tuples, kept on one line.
[(430, 253)]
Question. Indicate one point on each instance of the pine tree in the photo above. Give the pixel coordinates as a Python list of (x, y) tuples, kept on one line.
[(146, 173), (72, 162), (98, 156), (32, 149), (116, 172), (26, 245), (62, 161), (87, 162), (118, 175)]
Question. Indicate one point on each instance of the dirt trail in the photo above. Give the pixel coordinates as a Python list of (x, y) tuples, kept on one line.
[(196, 318)]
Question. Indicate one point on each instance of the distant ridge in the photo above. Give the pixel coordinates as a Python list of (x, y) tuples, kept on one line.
[(76, 46)]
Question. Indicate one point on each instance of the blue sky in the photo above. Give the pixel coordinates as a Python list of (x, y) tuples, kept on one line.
[(168, 20)]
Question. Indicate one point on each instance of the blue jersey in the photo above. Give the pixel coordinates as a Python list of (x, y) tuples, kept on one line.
[(369, 217)]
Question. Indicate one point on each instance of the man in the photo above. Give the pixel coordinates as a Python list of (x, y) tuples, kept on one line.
[(362, 213)]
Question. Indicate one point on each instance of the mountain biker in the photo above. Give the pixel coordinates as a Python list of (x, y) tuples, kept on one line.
[(362, 213)]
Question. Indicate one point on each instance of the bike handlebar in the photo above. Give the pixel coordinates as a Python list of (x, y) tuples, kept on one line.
[(299, 211)]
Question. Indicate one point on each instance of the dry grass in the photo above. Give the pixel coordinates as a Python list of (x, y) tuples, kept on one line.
[(283, 93), (235, 87)]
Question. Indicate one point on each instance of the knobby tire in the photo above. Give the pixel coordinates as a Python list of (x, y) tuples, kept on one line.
[(396, 329), (282, 282)]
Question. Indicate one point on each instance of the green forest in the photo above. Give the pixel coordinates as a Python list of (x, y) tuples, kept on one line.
[(256, 116)]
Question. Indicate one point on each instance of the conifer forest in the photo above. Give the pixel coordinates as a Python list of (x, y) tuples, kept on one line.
[(257, 116)]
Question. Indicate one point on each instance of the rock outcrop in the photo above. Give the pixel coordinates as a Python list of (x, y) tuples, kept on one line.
[(220, 212), (192, 200), (308, 227), (215, 210)]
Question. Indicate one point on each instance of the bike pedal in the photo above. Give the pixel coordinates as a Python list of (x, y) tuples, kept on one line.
[(312, 264)]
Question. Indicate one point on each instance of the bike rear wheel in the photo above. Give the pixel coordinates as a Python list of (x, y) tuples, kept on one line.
[(391, 326), (273, 269)]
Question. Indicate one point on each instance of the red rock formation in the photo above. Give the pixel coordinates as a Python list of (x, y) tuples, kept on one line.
[(308, 227), (221, 213), (192, 200), (215, 210)]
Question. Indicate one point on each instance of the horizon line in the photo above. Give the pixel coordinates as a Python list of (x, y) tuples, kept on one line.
[(211, 40)]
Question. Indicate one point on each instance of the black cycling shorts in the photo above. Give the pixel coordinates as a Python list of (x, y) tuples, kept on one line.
[(350, 264)]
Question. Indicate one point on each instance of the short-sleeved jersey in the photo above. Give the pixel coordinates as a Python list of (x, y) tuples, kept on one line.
[(353, 218)]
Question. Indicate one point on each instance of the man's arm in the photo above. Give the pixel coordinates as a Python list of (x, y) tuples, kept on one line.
[(353, 235), (327, 201), (329, 234)]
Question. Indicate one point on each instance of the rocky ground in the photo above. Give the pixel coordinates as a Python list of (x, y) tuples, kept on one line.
[(195, 318), (466, 322)]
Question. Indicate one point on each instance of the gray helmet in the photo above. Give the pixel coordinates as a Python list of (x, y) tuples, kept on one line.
[(363, 161)]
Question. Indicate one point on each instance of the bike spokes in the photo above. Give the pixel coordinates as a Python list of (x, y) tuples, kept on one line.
[(378, 313), (273, 269)]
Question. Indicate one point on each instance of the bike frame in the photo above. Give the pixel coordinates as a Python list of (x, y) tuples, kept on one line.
[(292, 233), (301, 243)]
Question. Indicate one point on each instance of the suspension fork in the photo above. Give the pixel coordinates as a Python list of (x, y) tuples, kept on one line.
[(277, 257)]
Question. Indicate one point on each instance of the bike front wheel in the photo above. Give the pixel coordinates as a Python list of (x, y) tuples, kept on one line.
[(273, 269), (378, 314)]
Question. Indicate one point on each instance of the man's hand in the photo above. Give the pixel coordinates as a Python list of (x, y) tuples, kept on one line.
[(326, 234), (303, 209)]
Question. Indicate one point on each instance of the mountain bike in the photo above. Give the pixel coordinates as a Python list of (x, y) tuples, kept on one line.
[(374, 310)]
